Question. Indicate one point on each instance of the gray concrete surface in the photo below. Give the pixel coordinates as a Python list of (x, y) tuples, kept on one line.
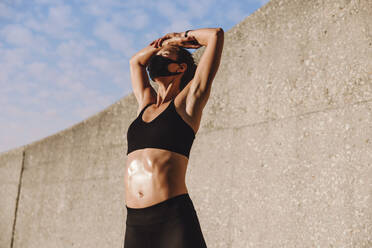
[(282, 159)]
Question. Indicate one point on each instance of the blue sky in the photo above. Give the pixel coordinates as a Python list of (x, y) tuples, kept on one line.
[(63, 61)]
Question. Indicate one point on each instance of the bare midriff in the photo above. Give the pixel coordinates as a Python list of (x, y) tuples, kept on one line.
[(154, 175)]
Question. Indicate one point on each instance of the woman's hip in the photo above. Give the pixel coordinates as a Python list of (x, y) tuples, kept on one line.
[(168, 224), (174, 207)]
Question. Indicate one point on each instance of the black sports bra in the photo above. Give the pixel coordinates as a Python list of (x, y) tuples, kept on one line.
[(167, 131)]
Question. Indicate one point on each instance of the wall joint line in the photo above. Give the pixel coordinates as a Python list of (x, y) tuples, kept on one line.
[(17, 200)]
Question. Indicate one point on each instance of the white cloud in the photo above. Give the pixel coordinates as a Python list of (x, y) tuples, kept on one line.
[(59, 23), (197, 8), (169, 10), (5, 11), (104, 8), (60, 16), (177, 26), (117, 70), (48, 2), (36, 69), (180, 18), (235, 14), (93, 101), (11, 63), (133, 19), (17, 35), (43, 93), (187, 10), (13, 57), (117, 40), (96, 9), (71, 49), (22, 37), (51, 112)]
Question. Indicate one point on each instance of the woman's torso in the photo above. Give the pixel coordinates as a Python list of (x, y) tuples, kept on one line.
[(153, 175)]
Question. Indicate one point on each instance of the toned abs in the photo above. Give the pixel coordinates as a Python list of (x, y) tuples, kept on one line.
[(153, 175)]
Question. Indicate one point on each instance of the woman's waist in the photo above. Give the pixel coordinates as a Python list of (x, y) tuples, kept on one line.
[(173, 207), (144, 195)]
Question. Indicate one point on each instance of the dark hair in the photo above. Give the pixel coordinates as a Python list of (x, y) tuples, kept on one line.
[(184, 56)]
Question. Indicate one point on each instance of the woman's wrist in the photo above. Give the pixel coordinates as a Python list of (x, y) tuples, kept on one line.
[(186, 33), (143, 56)]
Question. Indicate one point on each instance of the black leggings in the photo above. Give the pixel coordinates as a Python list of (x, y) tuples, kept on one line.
[(172, 223)]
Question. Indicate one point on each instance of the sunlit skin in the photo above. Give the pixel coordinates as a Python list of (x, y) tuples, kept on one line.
[(154, 175)]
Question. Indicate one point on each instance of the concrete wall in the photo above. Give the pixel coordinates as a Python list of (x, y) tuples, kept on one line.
[(283, 157)]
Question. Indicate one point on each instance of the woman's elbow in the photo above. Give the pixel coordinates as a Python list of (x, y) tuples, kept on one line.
[(220, 34), (220, 31)]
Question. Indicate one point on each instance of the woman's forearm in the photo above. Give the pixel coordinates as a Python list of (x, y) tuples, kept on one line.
[(202, 35), (143, 56)]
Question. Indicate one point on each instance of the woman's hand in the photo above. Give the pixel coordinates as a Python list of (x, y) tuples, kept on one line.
[(158, 42), (177, 40), (186, 42)]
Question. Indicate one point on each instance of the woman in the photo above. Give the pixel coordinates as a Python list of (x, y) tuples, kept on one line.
[(160, 213)]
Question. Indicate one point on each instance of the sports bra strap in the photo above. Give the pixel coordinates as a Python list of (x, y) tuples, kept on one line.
[(145, 108)]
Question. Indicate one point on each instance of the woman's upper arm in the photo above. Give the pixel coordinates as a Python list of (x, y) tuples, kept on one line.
[(142, 88), (208, 65)]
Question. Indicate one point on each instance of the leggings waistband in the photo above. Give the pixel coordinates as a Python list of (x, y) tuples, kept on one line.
[(160, 212)]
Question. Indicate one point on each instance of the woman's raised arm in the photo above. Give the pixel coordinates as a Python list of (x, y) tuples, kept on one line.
[(141, 86), (200, 86)]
